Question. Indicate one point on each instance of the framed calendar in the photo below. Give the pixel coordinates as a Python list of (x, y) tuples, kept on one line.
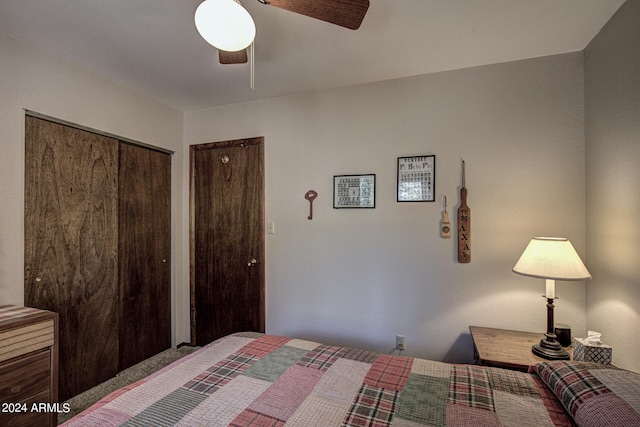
[(354, 191), (417, 178)]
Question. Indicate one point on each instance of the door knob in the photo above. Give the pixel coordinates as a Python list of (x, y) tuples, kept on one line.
[(252, 262)]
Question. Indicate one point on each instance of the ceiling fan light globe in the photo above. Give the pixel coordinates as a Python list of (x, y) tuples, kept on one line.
[(225, 25)]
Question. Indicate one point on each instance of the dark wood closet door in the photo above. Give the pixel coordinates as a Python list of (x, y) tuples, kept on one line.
[(71, 243), (145, 248), (227, 242)]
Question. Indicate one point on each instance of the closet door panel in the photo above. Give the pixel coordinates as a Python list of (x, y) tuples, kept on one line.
[(71, 244), (144, 247)]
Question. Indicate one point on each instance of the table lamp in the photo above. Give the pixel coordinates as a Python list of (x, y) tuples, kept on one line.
[(551, 258)]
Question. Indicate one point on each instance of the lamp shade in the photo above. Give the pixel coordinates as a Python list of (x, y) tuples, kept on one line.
[(551, 258), (225, 24)]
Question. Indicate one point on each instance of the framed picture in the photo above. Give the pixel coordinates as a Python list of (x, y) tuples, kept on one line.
[(417, 178), (354, 191)]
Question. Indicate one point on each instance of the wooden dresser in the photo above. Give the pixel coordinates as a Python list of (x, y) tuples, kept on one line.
[(28, 367)]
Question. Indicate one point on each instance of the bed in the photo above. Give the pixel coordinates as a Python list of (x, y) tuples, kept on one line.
[(254, 379)]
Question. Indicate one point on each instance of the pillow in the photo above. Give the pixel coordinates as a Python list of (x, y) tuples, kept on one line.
[(592, 393)]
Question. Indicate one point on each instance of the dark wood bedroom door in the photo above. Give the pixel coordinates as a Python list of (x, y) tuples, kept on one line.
[(227, 238), (71, 246)]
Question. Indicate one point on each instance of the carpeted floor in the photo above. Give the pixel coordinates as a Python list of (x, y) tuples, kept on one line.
[(82, 401)]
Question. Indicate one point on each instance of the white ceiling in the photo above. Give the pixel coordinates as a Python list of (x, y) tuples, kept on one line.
[(153, 47)]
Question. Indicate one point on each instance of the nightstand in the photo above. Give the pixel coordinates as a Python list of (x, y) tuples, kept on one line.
[(503, 348), (28, 366)]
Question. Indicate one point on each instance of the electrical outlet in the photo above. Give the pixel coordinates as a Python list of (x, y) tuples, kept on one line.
[(400, 342)]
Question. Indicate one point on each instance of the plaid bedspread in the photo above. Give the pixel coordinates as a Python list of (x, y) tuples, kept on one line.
[(251, 379), (595, 395)]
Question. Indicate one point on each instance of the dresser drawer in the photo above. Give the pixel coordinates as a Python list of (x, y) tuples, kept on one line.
[(26, 339), (29, 418), (25, 377), (28, 366)]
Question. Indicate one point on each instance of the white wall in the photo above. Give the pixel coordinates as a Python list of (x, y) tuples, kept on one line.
[(359, 277), (33, 80), (612, 80)]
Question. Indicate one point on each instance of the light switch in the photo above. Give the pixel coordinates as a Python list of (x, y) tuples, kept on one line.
[(271, 227)]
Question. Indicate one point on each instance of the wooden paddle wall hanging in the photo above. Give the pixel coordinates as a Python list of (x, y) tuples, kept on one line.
[(464, 224)]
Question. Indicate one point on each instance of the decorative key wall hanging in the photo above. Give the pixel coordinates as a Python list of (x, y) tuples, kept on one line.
[(310, 196)]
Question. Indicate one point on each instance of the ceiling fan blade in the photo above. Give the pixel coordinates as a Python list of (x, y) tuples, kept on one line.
[(239, 57), (345, 13)]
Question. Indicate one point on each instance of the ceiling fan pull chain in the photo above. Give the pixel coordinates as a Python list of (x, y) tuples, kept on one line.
[(252, 69)]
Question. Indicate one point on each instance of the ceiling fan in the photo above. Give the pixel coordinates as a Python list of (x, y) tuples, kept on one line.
[(215, 16)]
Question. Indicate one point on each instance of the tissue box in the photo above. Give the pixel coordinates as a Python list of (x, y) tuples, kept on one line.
[(586, 352)]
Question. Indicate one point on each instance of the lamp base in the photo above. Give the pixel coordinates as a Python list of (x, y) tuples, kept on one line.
[(550, 349)]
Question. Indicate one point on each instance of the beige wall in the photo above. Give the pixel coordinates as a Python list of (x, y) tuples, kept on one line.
[(360, 277), (33, 80), (612, 81)]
